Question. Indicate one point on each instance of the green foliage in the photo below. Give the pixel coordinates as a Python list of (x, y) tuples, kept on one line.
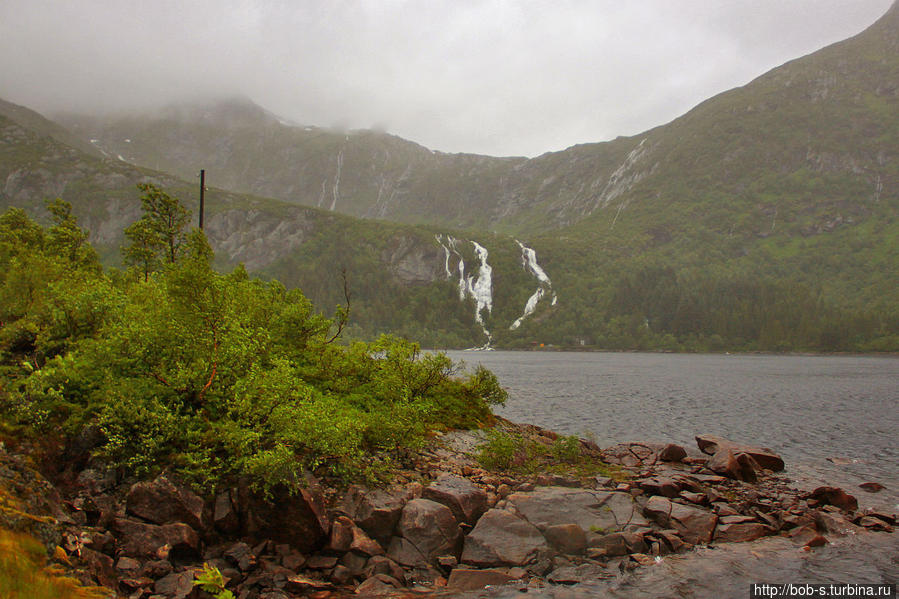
[(501, 450), (212, 376), (158, 237), (210, 579), (566, 449)]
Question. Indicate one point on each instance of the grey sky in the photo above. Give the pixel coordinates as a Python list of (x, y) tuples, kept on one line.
[(495, 77)]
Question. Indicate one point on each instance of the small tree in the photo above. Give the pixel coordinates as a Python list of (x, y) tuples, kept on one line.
[(160, 234)]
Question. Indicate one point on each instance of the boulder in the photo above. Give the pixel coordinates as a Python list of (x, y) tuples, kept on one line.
[(141, 540), (405, 553), (569, 539), (431, 528), (225, 516), (378, 585), (710, 444), (297, 518), (672, 453), (597, 510), (694, 525), (835, 496), (501, 538), (834, 523), (467, 501), (381, 564), (161, 501), (586, 572), (739, 466), (374, 511), (738, 532), (346, 536), (177, 585), (872, 487), (468, 579), (659, 485), (616, 544)]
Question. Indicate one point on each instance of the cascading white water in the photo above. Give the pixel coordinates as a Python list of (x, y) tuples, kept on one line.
[(529, 261)]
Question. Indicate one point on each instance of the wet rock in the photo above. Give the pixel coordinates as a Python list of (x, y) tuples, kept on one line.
[(176, 585), (468, 579), (305, 584), (402, 551), (872, 487), (501, 538), (241, 555), (835, 496), (738, 467), (156, 569), (697, 498), (764, 457), (659, 486), (609, 511), (321, 562), (225, 516), (431, 528), (161, 501), (672, 453), (834, 523), (346, 536), (379, 584), (616, 544), (566, 538), (297, 518), (585, 572), (739, 532), (137, 539), (381, 564), (557, 480), (100, 566), (873, 522), (374, 511), (672, 540), (467, 501), (694, 525)]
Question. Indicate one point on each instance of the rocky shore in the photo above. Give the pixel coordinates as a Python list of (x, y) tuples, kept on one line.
[(446, 525)]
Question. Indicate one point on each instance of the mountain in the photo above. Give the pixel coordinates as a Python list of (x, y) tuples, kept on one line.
[(822, 127), (764, 218), (431, 284)]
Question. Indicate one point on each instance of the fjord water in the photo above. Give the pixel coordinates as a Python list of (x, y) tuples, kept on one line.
[(806, 408)]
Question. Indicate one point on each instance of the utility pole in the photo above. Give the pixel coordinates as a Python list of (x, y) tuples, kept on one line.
[(202, 195)]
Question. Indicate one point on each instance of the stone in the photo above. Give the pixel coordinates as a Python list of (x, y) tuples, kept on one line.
[(225, 516), (835, 496), (431, 528), (469, 579), (466, 500), (609, 511), (381, 564), (374, 511), (659, 485), (321, 562), (404, 552), (177, 585), (872, 487), (379, 584), (100, 566), (566, 538), (739, 532), (140, 540), (694, 525), (241, 555), (341, 574), (161, 501), (128, 565), (672, 453), (672, 540), (297, 518), (585, 572), (616, 544), (500, 538), (738, 467), (764, 457), (834, 523), (874, 523), (697, 498), (305, 584), (346, 536), (156, 569)]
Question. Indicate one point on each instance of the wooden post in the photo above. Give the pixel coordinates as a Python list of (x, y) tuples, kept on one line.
[(202, 194)]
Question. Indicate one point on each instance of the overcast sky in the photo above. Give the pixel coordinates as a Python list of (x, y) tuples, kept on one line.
[(485, 76)]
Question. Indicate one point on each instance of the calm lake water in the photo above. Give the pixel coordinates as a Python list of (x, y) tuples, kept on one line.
[(806, 408)]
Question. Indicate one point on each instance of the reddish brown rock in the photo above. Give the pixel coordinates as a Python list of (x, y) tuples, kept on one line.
[(375, 511), (569, 539), (672, 453), (161, 501), (764, 457), (468, 579), (739, 532), (736, 466), (616, 544), (835, 496), (466, 500), (431, 528), (297, 518), (225, 516), (872, 487), (659, 485), (501, 538), (694, 525), (378, 585), (177, 585), (141, 540)]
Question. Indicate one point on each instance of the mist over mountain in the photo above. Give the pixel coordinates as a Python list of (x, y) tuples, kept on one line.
[(764, 218)]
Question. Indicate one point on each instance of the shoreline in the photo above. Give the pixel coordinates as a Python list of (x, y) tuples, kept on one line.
[(559, 511)]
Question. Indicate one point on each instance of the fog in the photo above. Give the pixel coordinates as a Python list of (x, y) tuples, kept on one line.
[(497, 77)]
